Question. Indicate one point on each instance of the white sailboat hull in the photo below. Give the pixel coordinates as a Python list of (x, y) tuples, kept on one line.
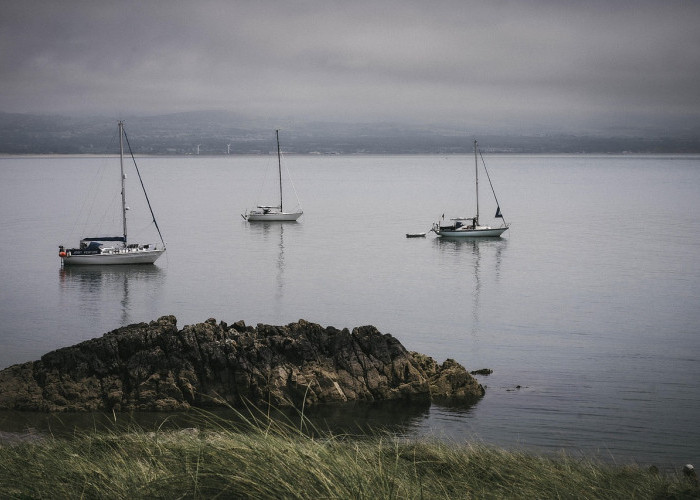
[(485, 232), (112, 257), (272, 217)]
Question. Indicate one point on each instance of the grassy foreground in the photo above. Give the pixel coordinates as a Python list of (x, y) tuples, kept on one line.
[(277, 461)]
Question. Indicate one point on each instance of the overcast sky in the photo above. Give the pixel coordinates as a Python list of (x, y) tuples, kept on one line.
[(555, 63)]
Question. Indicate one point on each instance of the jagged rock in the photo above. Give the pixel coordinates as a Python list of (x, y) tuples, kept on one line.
[(449, 380), (483, 371), (155, 366)]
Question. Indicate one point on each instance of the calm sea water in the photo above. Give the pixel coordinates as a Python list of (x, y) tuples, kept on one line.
[(587, 310)]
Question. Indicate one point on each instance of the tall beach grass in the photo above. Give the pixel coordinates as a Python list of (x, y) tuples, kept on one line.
[(258, 457)]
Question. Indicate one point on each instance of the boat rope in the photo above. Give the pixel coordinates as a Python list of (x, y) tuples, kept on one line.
[(491, 184), (289, 176), (259, 197), (84, 222), (144, 189)]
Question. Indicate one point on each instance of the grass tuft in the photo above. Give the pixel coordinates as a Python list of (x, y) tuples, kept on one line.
[(260, 457)]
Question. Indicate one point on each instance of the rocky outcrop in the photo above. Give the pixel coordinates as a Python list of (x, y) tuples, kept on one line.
[(155, 366)]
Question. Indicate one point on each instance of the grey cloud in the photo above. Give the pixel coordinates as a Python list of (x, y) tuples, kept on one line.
[(559, 62)]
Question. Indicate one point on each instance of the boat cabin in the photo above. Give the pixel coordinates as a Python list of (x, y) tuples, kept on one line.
[(459, 223)]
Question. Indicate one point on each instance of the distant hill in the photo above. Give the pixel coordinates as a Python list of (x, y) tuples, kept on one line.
[(219, 133)]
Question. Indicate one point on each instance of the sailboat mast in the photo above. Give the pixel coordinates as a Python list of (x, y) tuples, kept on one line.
[(476, 176), (279, 166), (121, 166)]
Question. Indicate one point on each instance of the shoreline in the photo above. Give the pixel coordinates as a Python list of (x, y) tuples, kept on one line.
[(265, 458)]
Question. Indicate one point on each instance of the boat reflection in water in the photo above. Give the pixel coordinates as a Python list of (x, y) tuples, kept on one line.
[(111, 296), (269, 247), (273, 234), (465, 254)]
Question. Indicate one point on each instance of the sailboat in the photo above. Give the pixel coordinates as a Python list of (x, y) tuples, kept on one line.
[(111, 250), (274, 213), (469, 226)]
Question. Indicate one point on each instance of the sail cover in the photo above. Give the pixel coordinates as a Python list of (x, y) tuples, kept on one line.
[(105, 238)]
